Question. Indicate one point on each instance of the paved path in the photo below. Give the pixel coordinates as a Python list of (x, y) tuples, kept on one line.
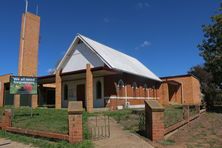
[(11, 144), (120, 138)]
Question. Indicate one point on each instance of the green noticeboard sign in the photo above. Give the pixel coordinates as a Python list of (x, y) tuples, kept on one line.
[(23, 85)]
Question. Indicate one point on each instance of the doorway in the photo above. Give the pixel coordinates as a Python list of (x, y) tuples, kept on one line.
[(81, 96)]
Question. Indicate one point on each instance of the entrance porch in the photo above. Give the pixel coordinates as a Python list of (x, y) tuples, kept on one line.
[(84, 85)]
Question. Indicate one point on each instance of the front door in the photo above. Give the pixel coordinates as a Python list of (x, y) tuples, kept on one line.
[(80, 94), (98, 92)]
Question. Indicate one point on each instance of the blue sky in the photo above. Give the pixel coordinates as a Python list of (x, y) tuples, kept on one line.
[(162, 34)]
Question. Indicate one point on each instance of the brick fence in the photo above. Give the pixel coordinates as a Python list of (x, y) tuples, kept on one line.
[(75, 123), (154, 119)]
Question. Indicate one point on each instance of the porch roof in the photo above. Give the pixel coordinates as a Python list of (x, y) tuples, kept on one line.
[(98, 71)]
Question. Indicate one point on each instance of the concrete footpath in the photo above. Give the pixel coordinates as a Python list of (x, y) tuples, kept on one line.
[(4, 143), (120, 138)]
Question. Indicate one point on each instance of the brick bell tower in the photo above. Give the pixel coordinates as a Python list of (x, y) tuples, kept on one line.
[(28, 51), (29, 44)]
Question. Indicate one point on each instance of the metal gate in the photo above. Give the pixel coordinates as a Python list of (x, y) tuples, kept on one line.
[(99, 127)]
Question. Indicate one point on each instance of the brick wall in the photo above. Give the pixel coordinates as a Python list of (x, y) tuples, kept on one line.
[(3, 79), (29, 43), (189, 91), (196, 91), (111, 81), (110, 90)]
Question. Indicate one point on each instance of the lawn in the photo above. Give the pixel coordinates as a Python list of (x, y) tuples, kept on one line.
[(45, 120), (133, 119), (205, 132), (173, 114)]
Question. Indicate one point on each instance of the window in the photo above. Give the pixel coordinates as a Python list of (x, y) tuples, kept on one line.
[(120, 83), (98, 90), (65, 92), (120, 88), (134, 86), (145, 90)]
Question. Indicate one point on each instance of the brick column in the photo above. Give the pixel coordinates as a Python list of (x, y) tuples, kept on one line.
[(34, 101), (1, 94), (197, 107), (17, 101), (7, 118), (58, 91), (89, 89), (164, 94), (75, 111), (186, 112), (154, 116)]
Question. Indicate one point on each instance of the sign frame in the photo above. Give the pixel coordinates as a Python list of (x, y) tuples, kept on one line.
[(23, 85)]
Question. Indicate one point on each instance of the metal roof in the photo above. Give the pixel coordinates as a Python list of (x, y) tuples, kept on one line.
[(112, 58)]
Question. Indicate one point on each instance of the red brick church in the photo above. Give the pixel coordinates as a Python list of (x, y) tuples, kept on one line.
[(94, 73)]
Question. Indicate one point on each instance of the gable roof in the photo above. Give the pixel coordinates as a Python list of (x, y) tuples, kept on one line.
[(112, 58)]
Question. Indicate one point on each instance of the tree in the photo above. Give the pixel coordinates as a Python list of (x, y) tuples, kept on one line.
[(211, 48), (203, 76), (210, 73), (206, 81)]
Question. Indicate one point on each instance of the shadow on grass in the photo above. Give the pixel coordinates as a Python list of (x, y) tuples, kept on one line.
[(26, 115)]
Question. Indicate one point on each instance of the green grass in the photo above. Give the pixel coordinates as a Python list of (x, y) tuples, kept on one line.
[(42, 143), (167, 142), (117, 115), (51, 120), (43, 119), (131, 119)]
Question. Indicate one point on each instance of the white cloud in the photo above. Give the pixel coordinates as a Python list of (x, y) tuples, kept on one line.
[(50, 70), (144, 44), (143, 5)]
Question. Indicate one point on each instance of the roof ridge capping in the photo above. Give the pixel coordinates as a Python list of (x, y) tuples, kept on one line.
[(106, 46), (114, 58)]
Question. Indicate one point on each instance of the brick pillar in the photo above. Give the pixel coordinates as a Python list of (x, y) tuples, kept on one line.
[(164, 94), (89, 89), (154, 116), (1, 94), (75, 111), (197, 107), (7, 118), (17, 101), (34, 101), (58, 92), (186, 111)]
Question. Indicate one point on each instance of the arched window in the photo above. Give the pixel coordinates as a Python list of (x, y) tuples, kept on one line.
[(120, 83), (154, 95), (65, 92), (134, 86), (145, 90), (98, 90), (120, 87)]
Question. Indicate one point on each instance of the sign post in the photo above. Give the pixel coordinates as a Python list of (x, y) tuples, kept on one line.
[(23, 85)]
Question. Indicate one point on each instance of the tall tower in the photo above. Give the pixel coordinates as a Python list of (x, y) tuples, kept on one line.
[(28, 52), (29, 44)]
